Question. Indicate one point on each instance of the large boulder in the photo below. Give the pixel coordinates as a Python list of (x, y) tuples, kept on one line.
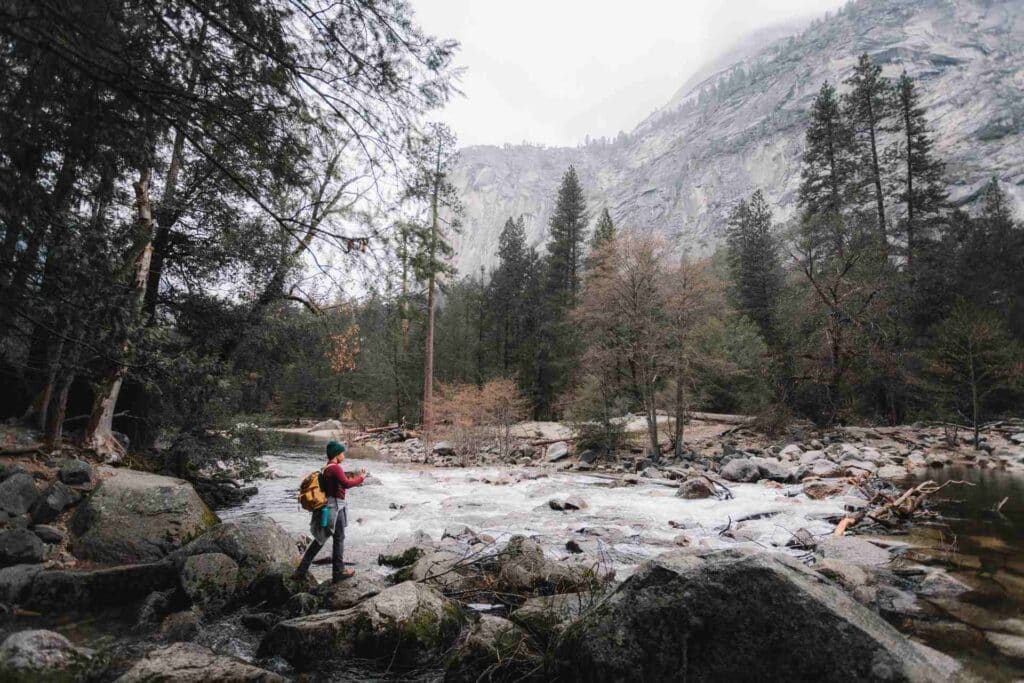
[(734, 614), (135, 517), (351, 592), (697, 487), (38, 655), (209, 579), (548, 615), (20, 546), (741, 470), (53, 501), (524, 570), (18, 493), (405, 550), (63, 590), (277, 583), (408, 624), (255, 543), (191, 663)]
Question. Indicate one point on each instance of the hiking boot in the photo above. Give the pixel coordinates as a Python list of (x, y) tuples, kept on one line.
[(347, 574)]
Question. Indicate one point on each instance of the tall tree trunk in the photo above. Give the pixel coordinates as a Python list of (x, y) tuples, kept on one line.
[(876, 173), (428, 365), (680, 417), (910, 189), (99, 434)]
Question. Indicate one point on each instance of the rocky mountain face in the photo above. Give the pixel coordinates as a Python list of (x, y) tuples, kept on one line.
[(742, 127)]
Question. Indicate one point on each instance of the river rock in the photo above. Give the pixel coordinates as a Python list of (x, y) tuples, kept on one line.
[(557, 451), (438, 569), (547, 616), (1017, 438), (352, 591), (772, 470), (443, 448), (276, 583), (18, 493), (791, 452), (181, 626), (807, 457), (734, 612), (460, 532), (741, 470), (255, 542), (191, 663), (492, 649), (408, 624), (301, 604), (937, 459), (20, 546), (39, 655), (209, 579), (821, 468), (61, 590), (853, 550), (404, 551), (53, 501), (524, 570), (75, 472), (698, 487), (47, 533), (15, 582), (819, 490), (136, 517), (891, 472)]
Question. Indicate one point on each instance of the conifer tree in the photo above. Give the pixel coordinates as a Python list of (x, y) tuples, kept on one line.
[(870, 108), (603, 231), (565, 250), (825, 176), (754, 263), (922, 193), (508, 286)]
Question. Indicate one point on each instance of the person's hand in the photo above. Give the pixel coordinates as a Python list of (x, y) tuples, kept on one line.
[(362, 472)]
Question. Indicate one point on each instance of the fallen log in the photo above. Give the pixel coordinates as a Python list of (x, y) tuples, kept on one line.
[(378, 430), (22, 450)]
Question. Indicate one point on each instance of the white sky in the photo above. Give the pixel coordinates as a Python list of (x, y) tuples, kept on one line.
[(553, 71)]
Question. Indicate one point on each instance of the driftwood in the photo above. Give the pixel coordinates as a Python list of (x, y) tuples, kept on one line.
[(378, 430), (548, 442), (890, 512)]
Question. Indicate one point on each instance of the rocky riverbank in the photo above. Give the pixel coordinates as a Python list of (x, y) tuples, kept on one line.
[(562, 571)]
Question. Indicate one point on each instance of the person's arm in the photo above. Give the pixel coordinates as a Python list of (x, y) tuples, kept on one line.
[(345, 480)]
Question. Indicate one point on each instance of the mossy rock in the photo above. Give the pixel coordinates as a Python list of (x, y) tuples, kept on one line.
[(406, 625), (492, 648)]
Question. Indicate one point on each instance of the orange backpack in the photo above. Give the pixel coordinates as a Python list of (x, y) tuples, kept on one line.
[(311, 492)]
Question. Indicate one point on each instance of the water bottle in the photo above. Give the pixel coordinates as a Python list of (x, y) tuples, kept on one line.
[(325, 515)]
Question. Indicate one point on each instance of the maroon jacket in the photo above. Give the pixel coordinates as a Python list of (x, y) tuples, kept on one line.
[(336, 481)]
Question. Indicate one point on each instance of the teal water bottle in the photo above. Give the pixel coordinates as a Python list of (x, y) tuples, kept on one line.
[(325, 515)]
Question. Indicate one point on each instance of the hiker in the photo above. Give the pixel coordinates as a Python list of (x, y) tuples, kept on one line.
[(335, 483)]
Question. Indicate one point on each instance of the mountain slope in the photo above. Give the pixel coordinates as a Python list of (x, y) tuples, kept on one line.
[(681, 169)]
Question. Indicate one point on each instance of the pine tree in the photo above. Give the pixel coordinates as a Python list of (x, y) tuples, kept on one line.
[(508, 286), (565, 250), (870, 108), (433, 154), (754, 263), (826, 174), (604, 231), (922, 194)]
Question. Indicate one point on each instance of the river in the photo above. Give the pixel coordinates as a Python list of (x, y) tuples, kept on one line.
[(627, 523)]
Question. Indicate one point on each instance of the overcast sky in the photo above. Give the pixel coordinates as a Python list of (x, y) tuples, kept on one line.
[(553, 71)]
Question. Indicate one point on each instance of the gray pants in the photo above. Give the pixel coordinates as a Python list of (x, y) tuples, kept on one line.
[(340, 514)]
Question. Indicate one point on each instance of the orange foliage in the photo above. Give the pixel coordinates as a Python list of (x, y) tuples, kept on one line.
[(343, 349)]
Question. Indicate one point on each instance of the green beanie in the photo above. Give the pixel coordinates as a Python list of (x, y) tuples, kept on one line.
[(333, 448)]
